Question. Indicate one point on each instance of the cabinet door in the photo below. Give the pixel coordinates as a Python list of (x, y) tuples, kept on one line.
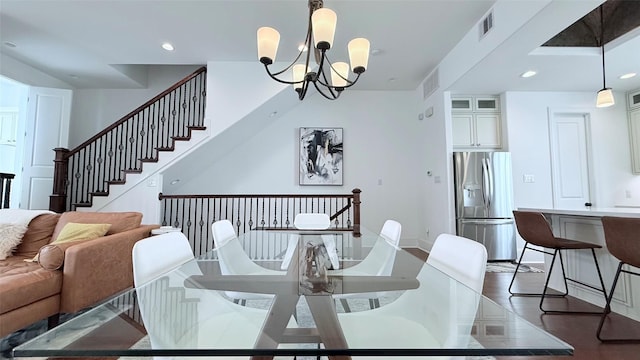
[(489, 104), (634, 139), (463, 130), (461, 104), (487, 131)]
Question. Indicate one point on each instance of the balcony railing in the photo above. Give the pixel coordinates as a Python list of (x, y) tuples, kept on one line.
[(194, 214)]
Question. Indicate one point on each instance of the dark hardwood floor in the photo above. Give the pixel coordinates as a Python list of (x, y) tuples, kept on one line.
[(577, 330)]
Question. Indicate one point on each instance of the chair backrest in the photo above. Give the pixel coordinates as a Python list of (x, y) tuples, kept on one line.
[(312, 221), (233, 259), (534, 228), (463, 259), (622, 236), (223, 232), (391, 230), (157, 255)]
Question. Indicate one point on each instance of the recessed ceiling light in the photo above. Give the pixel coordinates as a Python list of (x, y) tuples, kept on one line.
[(167, 46), (302, 47), (528, 74), (627, 76), (173, 182), (10, 44)]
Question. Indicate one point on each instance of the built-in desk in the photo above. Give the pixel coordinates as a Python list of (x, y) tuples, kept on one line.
[(585, 225)]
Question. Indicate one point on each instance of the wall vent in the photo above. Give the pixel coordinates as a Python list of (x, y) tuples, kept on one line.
[(486, 24), (430, 84)]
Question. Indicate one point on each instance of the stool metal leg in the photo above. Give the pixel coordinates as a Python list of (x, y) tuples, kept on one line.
[(526, 247), (602, 289), (607, 308)]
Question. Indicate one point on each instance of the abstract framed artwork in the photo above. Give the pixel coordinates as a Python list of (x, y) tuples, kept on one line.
[(320, 156)]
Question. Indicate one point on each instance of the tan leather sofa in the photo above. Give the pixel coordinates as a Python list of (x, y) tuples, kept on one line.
[(70, 276)]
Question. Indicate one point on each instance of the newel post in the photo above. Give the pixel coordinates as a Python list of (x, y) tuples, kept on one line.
[(356, 211), (58, 199)]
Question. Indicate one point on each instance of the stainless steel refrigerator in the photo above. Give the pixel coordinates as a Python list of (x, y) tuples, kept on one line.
[(484, 201)]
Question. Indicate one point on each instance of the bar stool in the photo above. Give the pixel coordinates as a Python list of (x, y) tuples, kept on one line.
[(622, 236), (535, 230)]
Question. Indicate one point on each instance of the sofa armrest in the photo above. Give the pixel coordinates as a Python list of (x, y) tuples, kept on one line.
[(97, 269)]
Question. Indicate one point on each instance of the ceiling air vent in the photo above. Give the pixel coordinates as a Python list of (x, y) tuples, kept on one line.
[(486, 24), (430, 84)]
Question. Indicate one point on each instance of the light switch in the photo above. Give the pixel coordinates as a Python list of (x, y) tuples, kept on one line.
[(528, 178)]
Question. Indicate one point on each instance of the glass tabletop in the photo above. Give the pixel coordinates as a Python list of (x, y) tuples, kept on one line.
[(288, 293)]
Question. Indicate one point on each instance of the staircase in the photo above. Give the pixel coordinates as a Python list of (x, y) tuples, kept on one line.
[(104, 164)]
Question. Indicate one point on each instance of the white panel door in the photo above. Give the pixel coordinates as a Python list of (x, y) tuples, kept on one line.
[(47, 128), (569, 159)]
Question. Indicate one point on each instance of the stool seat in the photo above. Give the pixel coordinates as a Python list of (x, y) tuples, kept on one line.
[(622, 236), (534, 228)]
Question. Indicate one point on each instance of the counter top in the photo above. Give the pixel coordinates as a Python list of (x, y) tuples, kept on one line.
[(593, 211)]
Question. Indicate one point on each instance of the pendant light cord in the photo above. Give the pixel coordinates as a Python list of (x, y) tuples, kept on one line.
[(604, 83)]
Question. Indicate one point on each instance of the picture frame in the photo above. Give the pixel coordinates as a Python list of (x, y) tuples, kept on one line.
[(320, 156)]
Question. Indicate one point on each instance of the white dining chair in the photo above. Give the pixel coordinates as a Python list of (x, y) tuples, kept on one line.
[(177, 319), (447, 309), (379, 262), (311, 221), (235, 261)]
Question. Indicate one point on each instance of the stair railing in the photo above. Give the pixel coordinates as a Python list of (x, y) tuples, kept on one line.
[(89, 169), (5, 189), (194, 214)]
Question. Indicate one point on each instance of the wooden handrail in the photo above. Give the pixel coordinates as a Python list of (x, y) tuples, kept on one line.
[(91, 168), (194, 214), (137, 110)]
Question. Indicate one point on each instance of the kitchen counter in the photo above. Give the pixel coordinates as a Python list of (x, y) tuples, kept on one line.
[(593, 211)]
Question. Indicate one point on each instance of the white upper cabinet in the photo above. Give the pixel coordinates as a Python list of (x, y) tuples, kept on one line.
[(476, 122)]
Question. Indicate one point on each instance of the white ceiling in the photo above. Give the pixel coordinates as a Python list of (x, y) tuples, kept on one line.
[(104, 43)]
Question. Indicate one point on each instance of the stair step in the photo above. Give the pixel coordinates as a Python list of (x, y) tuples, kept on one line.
[(181, 138), (149, 160), (82, 204), (197, 127), (132, 171), (99, 193), (165, 148), (116, 182)]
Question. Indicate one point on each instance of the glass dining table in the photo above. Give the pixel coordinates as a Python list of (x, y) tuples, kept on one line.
[(299, 310)]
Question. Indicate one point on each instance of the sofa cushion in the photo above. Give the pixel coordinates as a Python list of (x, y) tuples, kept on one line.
[(51, 256), (120, 221), (38, 234), (23, 283)]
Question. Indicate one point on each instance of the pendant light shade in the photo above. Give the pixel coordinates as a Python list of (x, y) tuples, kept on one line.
[(358, 54), (299, 71), (323, 23), (605, 98), (268, 40), (339, 73)]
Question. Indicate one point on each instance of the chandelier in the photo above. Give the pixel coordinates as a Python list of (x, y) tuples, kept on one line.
[(321, 29)]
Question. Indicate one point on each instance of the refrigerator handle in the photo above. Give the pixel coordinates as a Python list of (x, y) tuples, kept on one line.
[(490, 190), (485, 184)]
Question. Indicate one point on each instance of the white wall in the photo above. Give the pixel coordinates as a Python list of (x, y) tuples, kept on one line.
[(382, 143), (95, 109), (528, 132)]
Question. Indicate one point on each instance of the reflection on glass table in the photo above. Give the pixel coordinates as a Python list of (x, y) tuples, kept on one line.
[(196, 318)]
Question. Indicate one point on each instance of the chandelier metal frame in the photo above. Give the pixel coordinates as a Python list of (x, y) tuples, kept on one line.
[(318, 78)]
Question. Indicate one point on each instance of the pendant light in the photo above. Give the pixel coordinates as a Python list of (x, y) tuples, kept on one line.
[(605, 96)]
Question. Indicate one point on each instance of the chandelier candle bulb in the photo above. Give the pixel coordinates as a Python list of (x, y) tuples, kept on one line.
[(299, 71), (359, 54), (268, 40), (323, 22), (339, 74)]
